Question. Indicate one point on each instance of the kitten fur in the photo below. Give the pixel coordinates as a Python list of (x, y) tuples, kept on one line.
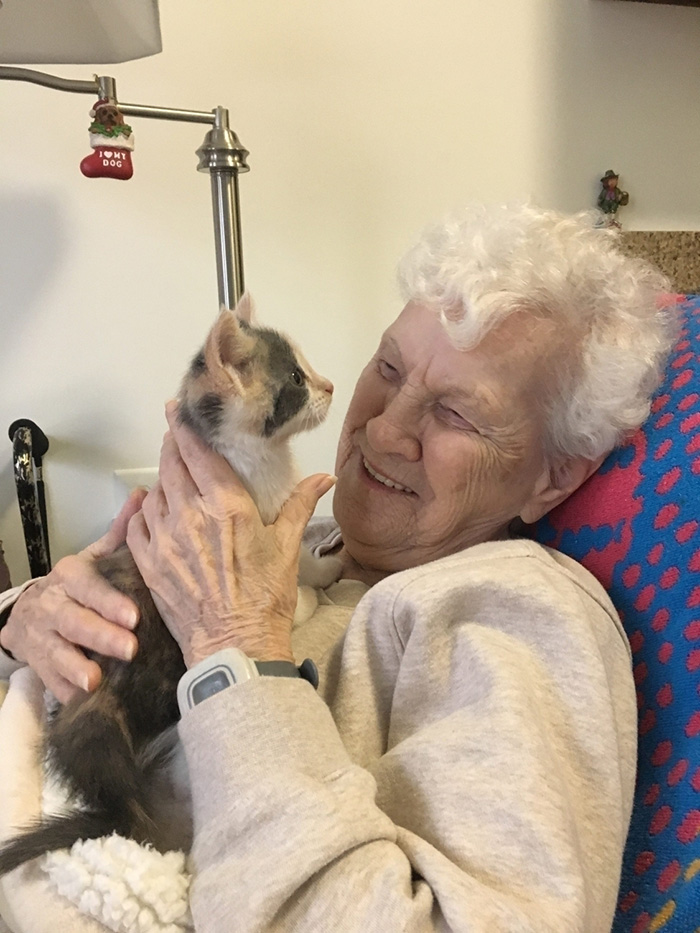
[(246, 393)]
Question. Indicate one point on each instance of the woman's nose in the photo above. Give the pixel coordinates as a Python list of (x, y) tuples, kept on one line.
[(394, 432)]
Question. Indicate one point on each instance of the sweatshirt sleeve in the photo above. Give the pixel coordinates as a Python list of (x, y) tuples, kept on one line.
[(473, 770), (7, 600)]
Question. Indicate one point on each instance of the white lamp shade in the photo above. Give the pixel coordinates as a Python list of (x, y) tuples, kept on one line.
[(78, 31)]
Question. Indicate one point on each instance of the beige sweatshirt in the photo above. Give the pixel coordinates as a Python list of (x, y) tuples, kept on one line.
[(467, 765)]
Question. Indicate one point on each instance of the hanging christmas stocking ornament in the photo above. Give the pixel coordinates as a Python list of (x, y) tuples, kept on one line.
[(112, 140)]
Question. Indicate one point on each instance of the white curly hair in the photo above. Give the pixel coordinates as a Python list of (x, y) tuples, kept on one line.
[(479, 266)]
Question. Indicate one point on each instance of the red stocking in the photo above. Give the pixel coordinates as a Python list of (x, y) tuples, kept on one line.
[(112, 139), (107, 162)]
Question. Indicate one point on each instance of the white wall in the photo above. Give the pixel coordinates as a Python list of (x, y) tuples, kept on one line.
[(624, 84), (364, 120)]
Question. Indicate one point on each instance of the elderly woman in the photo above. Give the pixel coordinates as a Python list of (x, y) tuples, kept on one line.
[(468, 761)]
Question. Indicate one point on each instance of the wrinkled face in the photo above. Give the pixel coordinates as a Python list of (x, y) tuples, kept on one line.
[(442, 448)]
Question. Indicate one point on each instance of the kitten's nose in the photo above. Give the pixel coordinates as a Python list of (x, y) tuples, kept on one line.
[(327, 386)]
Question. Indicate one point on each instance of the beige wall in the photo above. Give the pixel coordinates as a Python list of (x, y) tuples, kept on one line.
[(624, 84), (364, 120)]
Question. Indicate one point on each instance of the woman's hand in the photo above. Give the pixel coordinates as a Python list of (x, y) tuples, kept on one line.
[(219, 577), (74, 606)]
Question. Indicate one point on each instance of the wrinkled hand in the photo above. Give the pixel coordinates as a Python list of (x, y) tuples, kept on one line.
[(73, 607), (219, 577)]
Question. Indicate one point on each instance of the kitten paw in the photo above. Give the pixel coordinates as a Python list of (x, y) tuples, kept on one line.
[(318, 572)]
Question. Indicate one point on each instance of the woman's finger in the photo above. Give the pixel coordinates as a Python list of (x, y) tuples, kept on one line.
[(81, 626), (300, 506), (89, 588), (116, 535), (62, 689), (69, 664), (174, 477), (138, 537), (209, 471), (155, 505)]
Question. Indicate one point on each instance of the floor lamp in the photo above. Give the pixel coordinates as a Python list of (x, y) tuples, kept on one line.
[(221, 154)]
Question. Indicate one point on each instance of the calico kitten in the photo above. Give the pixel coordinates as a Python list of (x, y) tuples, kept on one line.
[(247, 392)]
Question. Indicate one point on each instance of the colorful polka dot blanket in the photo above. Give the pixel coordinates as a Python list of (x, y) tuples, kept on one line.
[(636, 526)]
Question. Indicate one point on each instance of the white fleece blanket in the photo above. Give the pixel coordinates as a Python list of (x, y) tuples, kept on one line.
[(101, 884)]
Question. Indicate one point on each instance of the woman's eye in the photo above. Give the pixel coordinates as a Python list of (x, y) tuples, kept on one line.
[(297, 377), (453, 417), (386, 370)]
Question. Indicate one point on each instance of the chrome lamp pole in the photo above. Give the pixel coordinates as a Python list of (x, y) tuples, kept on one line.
[(221, 154)]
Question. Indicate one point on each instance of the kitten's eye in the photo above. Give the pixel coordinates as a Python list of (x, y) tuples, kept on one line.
[(297, 377)]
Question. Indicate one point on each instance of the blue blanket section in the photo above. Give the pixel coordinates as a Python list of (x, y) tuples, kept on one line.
[(645, 548)]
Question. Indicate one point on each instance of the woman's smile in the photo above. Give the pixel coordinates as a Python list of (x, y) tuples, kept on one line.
[(375, 478)]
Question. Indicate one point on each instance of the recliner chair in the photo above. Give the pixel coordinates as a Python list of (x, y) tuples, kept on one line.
[(636, 526)]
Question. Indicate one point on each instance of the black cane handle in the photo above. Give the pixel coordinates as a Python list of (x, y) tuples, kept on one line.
[(40, 442), (29, 444)]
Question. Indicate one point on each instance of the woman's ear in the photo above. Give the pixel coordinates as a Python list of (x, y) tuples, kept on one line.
[(556, 484)]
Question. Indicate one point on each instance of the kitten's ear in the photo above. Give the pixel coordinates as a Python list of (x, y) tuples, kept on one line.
[(227, 343), (245, 309)]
